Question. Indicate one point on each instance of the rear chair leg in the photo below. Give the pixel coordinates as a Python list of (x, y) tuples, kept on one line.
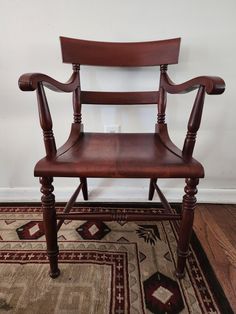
[(50, 224), (151, 188), (189, 204), (84, 188)]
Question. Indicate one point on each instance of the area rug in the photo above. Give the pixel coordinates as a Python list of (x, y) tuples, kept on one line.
[(106, 267)]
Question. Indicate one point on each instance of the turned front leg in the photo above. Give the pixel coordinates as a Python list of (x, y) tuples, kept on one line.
[(50, 224), (189, 204)]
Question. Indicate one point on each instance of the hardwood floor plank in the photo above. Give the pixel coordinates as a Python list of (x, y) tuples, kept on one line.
[(215, 227), (224, 217), (231, 209)]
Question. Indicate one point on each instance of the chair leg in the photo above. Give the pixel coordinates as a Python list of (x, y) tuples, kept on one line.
[(84, 188), (50, 224), (189, 203), (151, 188)]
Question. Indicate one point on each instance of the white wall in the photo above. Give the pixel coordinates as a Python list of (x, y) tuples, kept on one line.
[(29, 43)]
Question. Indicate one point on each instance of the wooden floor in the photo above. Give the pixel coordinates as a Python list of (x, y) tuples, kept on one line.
[(215, 226)]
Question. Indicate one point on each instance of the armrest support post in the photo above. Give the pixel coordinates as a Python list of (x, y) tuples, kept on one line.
[(46, 122), (194, 123)]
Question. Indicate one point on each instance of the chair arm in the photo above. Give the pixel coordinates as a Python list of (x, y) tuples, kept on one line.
[(213, 84), (30, 81)]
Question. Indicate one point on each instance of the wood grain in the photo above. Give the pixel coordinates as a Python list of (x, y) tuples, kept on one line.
[(215, 227)]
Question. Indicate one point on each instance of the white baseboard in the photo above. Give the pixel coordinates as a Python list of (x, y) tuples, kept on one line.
[(129, 194)]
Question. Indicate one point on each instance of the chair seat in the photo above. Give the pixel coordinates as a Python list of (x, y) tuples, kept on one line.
[(118, 155)]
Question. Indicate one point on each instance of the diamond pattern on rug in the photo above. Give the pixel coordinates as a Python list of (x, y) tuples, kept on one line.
[(162, 294), (93, 230), (31, 231)]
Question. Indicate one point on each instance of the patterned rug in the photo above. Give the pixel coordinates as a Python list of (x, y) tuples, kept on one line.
[(106, 267)]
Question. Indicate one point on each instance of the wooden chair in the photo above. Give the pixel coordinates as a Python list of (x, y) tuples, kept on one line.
[(124, 155)]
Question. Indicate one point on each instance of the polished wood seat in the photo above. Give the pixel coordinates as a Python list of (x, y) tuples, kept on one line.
[(123, 155), (137, 155)]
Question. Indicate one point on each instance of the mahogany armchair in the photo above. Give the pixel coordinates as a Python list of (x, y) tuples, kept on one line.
[(119, 155)]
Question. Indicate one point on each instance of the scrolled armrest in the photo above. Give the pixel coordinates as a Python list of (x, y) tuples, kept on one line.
[(213, 85), (30, 81)]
